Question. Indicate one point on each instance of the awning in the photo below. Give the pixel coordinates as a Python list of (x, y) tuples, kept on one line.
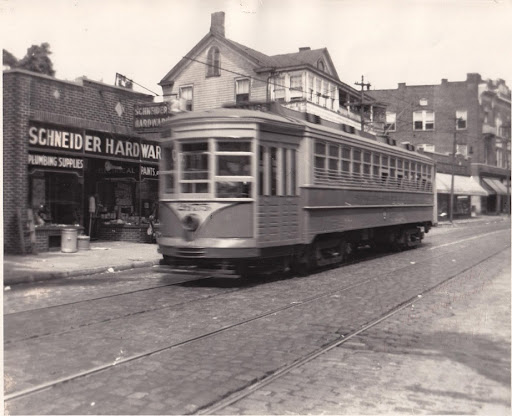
[(463, 185), (495, 186)]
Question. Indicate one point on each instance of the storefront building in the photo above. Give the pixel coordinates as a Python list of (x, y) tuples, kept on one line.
[(73, 157), (467, 193)]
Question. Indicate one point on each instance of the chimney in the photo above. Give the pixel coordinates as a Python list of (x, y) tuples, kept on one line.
[(474, 77), (401, 85), (444, 81), (304, 48), (217, 25)]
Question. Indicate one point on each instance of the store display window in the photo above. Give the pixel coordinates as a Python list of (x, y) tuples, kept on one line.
[(56, 197)]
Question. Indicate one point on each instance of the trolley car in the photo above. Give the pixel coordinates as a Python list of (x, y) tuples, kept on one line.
[(243, 189)]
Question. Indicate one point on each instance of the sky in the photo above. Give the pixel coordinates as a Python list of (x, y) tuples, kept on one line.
[(386, 41)]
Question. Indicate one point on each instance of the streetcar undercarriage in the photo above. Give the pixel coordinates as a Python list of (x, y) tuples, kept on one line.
[(325, 250)]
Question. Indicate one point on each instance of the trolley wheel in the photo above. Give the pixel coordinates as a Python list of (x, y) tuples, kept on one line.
[(167, 261), (346, 250), (303, 263)]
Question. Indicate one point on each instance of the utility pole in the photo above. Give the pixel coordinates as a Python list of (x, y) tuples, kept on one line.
[(367, 85), (453, 171)]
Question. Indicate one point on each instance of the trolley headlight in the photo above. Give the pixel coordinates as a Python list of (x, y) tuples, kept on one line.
[(191, 222)]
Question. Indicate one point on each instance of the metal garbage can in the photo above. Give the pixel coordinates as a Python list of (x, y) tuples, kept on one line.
[(84, 242), (68, 240)]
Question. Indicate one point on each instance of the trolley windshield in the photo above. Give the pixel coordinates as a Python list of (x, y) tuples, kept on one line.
[(207, 168)]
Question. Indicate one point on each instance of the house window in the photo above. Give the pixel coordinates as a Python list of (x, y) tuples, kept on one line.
[(462, 119), (320, 65), (390, 121), (279, 84), (423, 120), (318, 89), (311, 86), (462, 149), (499, 154), (296, 87), (242, 90), (213, 61), (186, 93)]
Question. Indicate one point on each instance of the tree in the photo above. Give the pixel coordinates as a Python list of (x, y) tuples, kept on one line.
[(37, 59), (9, 59)]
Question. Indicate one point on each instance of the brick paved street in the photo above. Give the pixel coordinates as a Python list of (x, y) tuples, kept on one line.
[(447, 354), (188, 376)]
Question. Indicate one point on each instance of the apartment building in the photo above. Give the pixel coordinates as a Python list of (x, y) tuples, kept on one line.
[(460, 123)]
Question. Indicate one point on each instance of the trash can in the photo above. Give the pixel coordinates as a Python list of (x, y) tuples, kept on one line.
[(84, 242), (68, 240)]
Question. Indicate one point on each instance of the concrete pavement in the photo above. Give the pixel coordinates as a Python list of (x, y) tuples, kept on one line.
[(116, 255), (103, 256)]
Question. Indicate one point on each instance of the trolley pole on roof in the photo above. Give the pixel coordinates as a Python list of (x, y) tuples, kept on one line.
[(361, 112)]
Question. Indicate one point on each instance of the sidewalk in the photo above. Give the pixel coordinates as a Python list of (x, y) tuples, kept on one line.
[(116, 255), (104, 256)]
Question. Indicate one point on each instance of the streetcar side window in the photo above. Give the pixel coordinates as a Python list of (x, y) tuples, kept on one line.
[(334, 161), (375, 167), (356, 162), (345, 160), (233, 169), (167, 169), (367, 160), (293, 172), (320, 159), (194, 168), (261, 171), (284, 172), (273, 171)]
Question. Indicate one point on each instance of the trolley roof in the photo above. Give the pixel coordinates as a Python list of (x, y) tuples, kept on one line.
[(273, 113)]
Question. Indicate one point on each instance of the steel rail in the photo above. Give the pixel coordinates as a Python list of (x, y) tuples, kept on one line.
[(216, 408), (295, 304)]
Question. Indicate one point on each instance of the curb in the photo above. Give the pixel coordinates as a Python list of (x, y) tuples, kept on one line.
[(38, 276)]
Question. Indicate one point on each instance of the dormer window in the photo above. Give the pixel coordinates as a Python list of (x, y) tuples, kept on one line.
[(213, 62), (320, 65)]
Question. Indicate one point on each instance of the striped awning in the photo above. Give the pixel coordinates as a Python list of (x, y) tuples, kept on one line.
[(495, 186), (463, 185)]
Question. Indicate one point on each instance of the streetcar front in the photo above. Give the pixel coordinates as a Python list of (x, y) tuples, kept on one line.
[(207, 193)]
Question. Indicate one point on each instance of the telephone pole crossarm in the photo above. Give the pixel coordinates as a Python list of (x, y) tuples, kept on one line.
[(361, 112)]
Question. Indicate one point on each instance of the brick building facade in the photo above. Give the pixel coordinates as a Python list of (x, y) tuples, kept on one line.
[(473, 115), (64, 142)]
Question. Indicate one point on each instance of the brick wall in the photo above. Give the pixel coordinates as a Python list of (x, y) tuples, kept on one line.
[(444, 99), (124, 233), (16, 96), (30, 96)]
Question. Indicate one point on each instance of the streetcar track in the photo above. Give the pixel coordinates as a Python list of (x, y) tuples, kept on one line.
[(140, 312), (102, 297), (291, 305), (126, 315), (205, 277), (233, 397)]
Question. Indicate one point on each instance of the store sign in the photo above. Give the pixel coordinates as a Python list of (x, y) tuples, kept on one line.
[(149, 171), (55, 138), (119, 170), (93, 143), (150, 116), (55, 161)]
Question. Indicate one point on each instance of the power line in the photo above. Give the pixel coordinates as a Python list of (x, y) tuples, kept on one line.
[(125, 78)]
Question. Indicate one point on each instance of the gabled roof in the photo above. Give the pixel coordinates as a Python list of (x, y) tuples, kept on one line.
[(305, 57), (261, 61)]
